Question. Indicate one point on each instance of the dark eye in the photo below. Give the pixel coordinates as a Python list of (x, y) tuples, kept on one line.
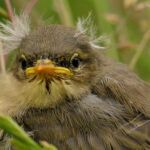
[(23, 64), (75, 62)]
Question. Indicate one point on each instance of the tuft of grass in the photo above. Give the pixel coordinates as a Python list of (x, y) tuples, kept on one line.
[(20, 140)]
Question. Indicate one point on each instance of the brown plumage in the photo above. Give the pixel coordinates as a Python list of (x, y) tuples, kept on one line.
[(80, 99)]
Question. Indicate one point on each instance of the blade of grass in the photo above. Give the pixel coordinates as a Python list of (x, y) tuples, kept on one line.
[(63, 9), (8, 125), (140, 49), (11, 16), (21, 140), (102, 8), (30, 6), (20, 146), (4, 13), (47, 146)]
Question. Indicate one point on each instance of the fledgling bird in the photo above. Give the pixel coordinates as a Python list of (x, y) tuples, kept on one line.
[(67, 92)]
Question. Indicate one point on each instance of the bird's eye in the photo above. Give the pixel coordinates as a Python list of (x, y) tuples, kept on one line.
[(75, 62), (23, 64)]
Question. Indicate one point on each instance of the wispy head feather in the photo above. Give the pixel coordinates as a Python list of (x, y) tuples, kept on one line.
[(86, 26), (11, 33)]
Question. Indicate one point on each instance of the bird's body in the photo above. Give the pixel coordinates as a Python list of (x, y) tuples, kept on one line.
[(77, 126), (66, 92)]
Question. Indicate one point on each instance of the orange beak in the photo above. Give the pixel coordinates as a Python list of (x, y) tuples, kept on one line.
[(45, 67)]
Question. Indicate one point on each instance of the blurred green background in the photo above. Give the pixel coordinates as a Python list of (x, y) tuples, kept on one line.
[(125, 23)]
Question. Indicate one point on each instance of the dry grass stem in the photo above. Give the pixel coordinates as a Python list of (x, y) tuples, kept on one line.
[(30, 6), (63, 13), (10, 12), (140, 49)]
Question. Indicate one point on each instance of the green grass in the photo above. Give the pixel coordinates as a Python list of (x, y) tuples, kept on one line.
[(126, 25), (20, 140)]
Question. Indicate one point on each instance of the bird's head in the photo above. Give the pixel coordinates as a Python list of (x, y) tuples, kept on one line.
[(54, 64)]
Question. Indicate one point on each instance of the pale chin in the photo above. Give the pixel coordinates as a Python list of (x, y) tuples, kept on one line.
[(38, 96)]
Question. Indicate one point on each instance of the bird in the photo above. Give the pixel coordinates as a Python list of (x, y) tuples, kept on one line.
[(64, 89)]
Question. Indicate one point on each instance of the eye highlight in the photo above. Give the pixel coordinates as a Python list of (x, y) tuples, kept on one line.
[(23, 62), (75, 61)]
